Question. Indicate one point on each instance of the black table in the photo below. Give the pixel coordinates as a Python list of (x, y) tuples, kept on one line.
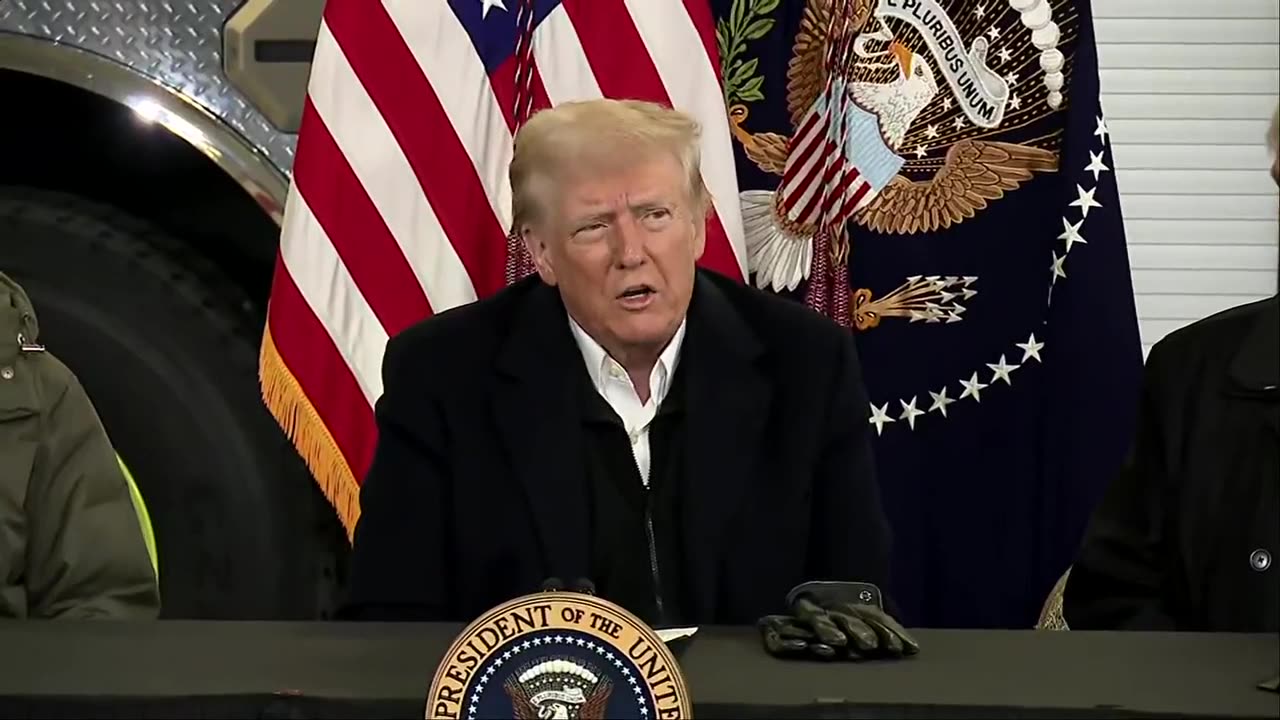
[(172, 668)]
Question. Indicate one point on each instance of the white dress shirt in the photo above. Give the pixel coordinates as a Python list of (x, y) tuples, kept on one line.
[(614, 385)]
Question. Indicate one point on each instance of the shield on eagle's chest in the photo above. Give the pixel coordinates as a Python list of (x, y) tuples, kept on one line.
[(558, 689), (936, 175)]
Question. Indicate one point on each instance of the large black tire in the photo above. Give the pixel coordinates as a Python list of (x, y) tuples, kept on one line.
[(167, 349)]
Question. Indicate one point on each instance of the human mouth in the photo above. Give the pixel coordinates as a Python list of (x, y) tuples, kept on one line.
[(636, 297)]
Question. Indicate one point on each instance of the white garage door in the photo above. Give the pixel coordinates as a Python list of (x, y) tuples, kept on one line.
[(1189, 87)]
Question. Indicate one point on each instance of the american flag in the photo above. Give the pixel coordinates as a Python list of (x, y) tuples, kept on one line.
[(820, 188), (400, 205)]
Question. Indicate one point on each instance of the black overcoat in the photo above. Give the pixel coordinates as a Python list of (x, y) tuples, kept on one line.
[(476, 492), (1187, 536)]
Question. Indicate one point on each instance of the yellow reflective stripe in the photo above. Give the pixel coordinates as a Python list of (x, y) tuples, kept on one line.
[(144, 518)]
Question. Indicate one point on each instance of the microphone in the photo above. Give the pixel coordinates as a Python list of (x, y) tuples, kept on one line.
[(581, 585)]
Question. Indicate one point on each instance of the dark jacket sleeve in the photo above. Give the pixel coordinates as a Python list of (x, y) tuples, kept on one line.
[(1125, 574), (86, 555), (849, 532), (399, 564)]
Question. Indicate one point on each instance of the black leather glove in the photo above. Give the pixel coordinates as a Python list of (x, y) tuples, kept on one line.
[(836, 621)]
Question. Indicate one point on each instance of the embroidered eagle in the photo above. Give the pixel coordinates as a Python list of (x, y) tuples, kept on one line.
[(524, 708), (975, 171)]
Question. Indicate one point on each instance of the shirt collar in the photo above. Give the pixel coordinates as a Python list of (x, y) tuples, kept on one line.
[(599, 363)]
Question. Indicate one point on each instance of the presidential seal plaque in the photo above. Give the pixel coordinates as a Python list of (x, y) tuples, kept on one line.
[(554, 655)]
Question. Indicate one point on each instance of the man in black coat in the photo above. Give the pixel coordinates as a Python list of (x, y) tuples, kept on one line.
[(1187, 536), (693, 447)]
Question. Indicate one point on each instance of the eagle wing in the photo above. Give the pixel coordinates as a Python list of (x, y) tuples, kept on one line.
[(521, 707), (594, 707), (975, 172), (768, 151), (805, 72), (806, 75)]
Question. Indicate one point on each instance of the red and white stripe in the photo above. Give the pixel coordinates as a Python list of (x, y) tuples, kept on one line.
[(400, 201), (820, 187)]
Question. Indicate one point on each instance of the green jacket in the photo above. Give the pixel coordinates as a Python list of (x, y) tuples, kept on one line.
[(70, 542)]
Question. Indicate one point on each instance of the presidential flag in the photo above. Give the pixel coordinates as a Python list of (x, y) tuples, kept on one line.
[(936, 175), (400, 204)]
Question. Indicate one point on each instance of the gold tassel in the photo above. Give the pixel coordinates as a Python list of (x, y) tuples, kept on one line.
[(289, 405)]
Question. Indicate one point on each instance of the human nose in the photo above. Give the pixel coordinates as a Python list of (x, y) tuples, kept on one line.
[(630, 244)]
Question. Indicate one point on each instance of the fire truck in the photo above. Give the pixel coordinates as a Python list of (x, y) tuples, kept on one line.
[(147, 151)]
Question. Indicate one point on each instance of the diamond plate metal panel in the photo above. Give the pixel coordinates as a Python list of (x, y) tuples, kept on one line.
[(176, 43)]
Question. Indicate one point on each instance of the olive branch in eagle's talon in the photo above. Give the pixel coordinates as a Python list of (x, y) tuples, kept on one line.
[(930, 299)]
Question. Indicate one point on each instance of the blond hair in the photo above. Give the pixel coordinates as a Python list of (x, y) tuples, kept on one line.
[(591, 134)]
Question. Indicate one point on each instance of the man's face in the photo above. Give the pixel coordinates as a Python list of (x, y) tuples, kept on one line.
[(621, 246)]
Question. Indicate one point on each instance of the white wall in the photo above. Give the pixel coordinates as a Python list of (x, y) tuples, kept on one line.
[(1188, 89)]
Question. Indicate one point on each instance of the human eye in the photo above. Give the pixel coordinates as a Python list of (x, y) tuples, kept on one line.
[(657, 217), (590, 230)]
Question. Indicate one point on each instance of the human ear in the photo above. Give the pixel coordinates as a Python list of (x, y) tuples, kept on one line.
[(536, 244), (700, 233)]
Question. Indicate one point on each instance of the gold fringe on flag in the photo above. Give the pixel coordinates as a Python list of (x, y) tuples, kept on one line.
[(288, 403)]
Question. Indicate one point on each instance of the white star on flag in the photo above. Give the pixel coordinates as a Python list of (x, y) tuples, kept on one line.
[(940, 401), (972, 388), (1031, 349), (880, 416), (1058, 270), (1085, 201), (489, 5), (1101, 130), (1095, 165), (1002, 370), (1071, 233), (909, 412)]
